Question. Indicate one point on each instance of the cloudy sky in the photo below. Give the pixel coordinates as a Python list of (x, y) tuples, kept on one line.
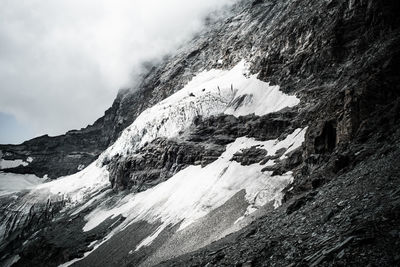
[(63, 61)]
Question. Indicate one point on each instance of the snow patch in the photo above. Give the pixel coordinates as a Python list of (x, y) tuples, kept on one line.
[(5, 164), (79, 186), (195, 191), (11, 182)]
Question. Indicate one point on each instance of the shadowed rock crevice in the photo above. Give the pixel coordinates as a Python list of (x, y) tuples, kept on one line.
[(326, 142)]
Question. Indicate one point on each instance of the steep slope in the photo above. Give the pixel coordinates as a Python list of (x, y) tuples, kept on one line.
[(270, 139), (208, 94)]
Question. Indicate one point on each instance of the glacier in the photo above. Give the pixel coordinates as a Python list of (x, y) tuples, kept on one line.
[(195, 191)]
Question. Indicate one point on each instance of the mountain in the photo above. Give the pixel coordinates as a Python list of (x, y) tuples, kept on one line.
[(270, 139)]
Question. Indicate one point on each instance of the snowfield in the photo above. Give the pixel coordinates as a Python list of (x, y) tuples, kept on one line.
[(11, 183), (195, 191)]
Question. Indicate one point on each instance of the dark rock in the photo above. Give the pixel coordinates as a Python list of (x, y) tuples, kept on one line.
[(249, 156), (158, 161), (256, 2)]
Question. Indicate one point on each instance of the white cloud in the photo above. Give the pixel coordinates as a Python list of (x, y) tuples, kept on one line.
[(62, 62)]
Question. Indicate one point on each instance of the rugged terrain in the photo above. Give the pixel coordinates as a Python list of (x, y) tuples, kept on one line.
[(304, 175)]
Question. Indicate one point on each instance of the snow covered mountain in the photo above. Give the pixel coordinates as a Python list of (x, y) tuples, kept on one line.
[(260, 142), (192, 193)]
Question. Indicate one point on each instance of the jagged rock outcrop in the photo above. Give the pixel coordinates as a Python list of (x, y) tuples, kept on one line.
[(250, 155), (158, 161)]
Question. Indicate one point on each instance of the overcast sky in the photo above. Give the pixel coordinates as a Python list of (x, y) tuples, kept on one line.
[(63, 61)]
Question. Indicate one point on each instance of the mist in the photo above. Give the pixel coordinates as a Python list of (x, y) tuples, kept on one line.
[(62, 62)]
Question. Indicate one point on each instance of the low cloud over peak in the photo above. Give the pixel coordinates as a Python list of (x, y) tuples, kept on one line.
[(62, 62)]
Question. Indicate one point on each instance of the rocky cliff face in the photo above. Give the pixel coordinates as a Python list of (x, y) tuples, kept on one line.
[(67, 154), (206, 146)]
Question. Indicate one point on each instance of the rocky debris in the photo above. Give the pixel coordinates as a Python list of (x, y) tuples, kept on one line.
[(300, 201), (324, 253)]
